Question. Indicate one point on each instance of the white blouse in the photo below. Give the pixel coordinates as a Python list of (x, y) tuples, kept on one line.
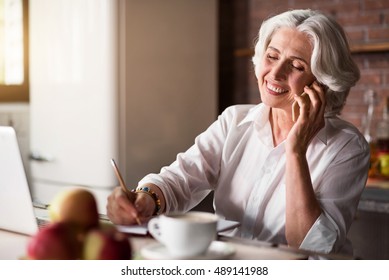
[(235, 157)]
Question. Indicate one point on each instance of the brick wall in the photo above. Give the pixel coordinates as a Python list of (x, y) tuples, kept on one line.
[(365, 22)]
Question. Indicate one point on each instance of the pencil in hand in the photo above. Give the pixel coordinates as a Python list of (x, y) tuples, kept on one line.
[(131, 196)]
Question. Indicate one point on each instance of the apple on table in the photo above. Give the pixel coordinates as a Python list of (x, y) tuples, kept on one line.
[(75, 232), (106, 243), (75, 205), (56, 241)]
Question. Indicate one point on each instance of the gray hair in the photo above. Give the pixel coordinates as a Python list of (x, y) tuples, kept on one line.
[(331, 61)]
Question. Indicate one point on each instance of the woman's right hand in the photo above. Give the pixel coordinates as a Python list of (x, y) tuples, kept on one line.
[(122, 211)]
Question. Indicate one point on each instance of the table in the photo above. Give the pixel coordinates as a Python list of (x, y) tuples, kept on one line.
[(13, 246)]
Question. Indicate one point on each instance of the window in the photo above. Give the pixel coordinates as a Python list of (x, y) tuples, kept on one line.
[(13, 51)]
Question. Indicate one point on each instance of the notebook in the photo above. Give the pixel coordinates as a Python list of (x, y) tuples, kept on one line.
[(16, 208)]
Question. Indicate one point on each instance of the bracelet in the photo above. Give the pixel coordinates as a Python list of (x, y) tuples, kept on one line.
[(154, 196)]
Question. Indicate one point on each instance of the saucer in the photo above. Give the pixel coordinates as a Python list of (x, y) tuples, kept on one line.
[(217, 251)]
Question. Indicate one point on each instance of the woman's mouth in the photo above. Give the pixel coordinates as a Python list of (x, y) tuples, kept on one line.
[(273, 89)]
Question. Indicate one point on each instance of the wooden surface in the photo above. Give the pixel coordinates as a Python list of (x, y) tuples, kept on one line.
[(377, 183)]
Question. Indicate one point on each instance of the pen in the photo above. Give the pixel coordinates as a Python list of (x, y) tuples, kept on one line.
[(130, 195)]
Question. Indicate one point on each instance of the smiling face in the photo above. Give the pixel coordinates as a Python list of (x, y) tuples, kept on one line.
[(285, 68)]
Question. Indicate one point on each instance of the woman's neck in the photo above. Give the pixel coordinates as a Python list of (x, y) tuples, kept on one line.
[(281, 124)]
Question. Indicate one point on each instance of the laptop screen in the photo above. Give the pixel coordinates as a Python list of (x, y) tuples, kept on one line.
[(16, 208)]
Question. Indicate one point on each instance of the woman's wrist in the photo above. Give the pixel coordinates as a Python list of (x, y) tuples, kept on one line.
[(156, 194)]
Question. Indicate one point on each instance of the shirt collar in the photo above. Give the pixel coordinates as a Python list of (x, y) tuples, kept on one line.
[(260, 114), (322, 134)]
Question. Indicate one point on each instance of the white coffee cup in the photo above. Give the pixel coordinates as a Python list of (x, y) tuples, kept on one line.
[(184, 234)]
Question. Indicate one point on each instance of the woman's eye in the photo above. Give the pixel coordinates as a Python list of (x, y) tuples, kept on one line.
[(273, 57), (298, 67)]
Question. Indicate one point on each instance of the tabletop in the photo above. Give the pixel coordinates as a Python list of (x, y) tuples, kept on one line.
[(13, 246)]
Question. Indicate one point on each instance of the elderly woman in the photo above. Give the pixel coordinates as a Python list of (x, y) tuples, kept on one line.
[(288, 176)]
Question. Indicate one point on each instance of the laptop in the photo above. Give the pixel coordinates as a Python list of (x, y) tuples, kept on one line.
[(17, 212)]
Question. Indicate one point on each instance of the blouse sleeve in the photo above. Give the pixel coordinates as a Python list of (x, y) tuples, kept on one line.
[(338, 194), (194, 173)]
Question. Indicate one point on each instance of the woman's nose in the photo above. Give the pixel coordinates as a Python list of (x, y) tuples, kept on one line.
[(279, 71)]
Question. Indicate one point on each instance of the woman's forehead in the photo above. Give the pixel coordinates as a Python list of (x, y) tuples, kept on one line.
[(292, 41)]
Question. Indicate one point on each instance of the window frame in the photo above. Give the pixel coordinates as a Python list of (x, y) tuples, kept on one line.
[(19, 93)]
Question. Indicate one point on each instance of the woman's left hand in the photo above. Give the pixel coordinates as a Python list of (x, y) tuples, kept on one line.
[(311, 118)]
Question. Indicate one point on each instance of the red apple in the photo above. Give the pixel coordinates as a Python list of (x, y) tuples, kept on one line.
[(106, 244), (75, 205), (56, 241)]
